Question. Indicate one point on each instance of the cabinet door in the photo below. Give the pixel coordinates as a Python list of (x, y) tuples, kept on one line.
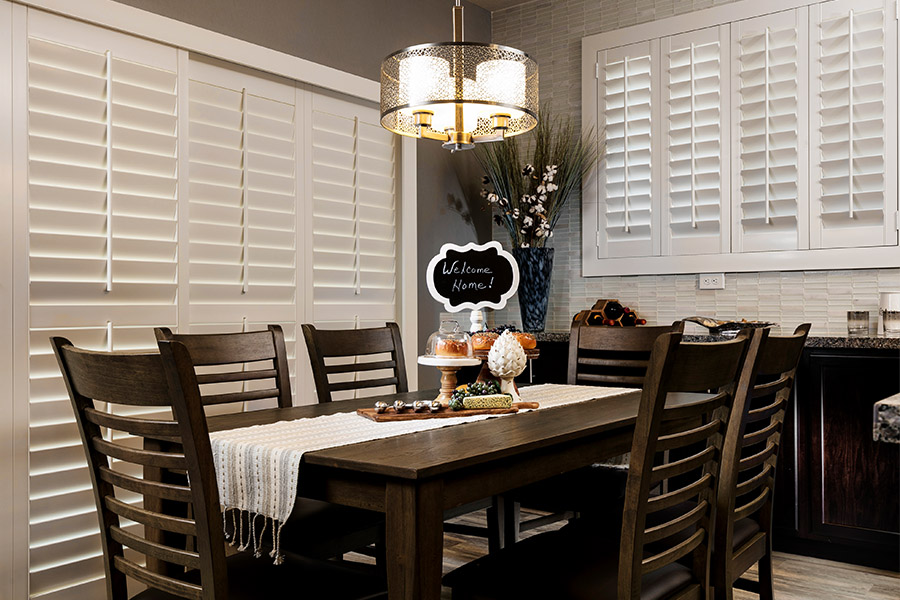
[(102, 254), (242, 203), (769, 132), (850, 484), (695, 119), (627, 215), (853, 88)]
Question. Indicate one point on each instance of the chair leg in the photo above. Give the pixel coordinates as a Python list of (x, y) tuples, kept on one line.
[(510, 522), (766, 587), (496, 524)]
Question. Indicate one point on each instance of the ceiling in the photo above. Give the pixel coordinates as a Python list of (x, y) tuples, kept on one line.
[(493, 5)]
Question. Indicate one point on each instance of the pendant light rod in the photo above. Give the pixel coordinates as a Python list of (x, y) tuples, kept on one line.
[(458, 22)]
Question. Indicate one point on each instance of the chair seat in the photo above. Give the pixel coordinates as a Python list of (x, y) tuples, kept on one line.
[(254, 578), (579, 561), (323, 530)]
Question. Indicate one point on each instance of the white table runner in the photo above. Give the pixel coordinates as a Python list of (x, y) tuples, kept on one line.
[(257, 467)]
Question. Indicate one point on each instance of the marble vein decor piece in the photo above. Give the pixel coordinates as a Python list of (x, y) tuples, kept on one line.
[(887, 420)]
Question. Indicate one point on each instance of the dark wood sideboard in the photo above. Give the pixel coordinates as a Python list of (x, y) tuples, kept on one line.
[(838, 491)]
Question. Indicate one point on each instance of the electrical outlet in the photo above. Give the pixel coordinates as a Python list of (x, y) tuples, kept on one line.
[(711, 281)]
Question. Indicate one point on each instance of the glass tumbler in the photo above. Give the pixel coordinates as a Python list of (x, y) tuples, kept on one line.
[(891, 319), (857, 321)]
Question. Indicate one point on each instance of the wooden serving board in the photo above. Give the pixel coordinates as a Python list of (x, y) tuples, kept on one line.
[(391, 415)]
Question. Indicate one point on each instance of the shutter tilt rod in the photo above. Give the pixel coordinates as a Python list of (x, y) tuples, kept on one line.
[(356, 223), (850, 115), (766, 124), (245, 212), (109, 171), (625, 141), (693, 201)]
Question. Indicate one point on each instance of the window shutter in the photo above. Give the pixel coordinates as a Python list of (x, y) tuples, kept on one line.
[(769, 62), (627, 92), (242, 202), (102, 256), (352, 166), (853, 82), (696, 117)]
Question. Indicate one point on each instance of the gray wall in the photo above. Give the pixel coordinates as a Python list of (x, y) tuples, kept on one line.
[(551, 31), (354, 36)]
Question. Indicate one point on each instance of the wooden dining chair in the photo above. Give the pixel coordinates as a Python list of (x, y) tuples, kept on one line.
[(124, 450), (647, 556), (608, 356), (317, 529), (746, 487), (613, 356), (262, 351), (330, 350)]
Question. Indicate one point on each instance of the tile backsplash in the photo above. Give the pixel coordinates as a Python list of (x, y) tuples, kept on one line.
[(551, 31)]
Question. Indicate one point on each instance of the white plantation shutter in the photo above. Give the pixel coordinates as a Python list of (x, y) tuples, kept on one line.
[(627, 87), (102, 129), (853, 83), (242, 202), (695, 122), (352, 163), (770, 193), (354, 217)]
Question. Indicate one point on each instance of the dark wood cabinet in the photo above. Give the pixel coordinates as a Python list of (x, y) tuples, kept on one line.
[(838, 492)]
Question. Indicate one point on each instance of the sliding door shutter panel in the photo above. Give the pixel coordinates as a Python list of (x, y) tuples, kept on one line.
[(696, 124), (242, 202), (354, 229), (628, 113), (853, 84), (102, 258), (769, 83)]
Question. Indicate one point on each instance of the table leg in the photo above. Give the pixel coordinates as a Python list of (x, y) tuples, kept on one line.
[(414, 539)]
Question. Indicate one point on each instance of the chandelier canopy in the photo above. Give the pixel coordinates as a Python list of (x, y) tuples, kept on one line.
[(459, 92)]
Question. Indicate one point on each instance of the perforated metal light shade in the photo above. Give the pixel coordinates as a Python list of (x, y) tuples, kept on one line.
[(459, 92)]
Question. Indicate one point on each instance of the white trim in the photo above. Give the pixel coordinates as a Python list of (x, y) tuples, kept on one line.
[(700, 19), (408, 269), (19, 134), (828, 259), (127, 19), (7, 430)]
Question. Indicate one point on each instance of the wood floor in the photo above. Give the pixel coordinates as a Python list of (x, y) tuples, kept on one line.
[(796, 577)]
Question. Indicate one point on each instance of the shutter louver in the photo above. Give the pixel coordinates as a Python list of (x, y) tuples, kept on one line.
[(102, 256), (696, 122), (354, 216), (854, 80), (626, 91), (769, 75)]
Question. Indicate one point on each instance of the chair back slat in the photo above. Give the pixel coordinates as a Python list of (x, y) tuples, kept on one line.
[(678, 448), (614, 356), (750, 451), (175, 529), (155, 580), (257, 360), (337, 352)]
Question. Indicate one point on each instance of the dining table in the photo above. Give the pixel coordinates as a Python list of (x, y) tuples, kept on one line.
[(414, 478)]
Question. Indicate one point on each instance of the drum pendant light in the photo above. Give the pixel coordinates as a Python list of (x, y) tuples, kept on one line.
[(460, 93)]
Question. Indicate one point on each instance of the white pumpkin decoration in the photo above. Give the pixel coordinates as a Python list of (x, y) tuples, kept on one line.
[(506, 360)]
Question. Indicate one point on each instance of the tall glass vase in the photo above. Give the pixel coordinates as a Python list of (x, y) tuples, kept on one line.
[(535, 266)]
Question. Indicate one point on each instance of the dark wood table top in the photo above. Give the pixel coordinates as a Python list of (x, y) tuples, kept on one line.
[(433, 453)]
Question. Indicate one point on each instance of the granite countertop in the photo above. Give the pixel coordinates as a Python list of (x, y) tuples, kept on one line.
[(887, 420), (872, 341)]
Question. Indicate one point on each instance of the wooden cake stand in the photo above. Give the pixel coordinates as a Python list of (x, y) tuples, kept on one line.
[(448, 368)]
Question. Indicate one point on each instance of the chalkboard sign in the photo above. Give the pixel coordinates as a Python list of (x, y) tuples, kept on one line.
[(472, 276)]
